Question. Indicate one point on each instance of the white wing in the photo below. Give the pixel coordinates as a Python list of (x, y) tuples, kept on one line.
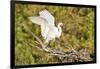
[(37, 20), (45, 14), (45, 30), (43, 23), (53, 32)]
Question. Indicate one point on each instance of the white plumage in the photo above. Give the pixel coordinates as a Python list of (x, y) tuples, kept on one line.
[(47, 23)]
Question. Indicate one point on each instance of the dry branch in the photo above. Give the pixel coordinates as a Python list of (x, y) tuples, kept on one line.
[(74, 55)]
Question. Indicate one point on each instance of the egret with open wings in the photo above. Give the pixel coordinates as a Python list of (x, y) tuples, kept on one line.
[(47, 23)]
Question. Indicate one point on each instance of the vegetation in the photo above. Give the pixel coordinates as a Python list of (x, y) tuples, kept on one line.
[(78, 33)]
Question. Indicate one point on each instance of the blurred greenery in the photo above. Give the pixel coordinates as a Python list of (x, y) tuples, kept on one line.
[(78, 32)]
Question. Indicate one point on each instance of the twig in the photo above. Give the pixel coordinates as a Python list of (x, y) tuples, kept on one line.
[(30, 44), (52, 51), (43, 46)]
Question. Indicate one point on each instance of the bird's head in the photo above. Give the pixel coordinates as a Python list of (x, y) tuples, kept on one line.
[(60, 24)]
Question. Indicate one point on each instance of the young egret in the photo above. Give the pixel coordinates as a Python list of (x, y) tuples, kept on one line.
[(47, 23)]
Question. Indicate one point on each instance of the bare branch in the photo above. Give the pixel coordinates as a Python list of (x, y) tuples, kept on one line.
[(27, 43), (74, 54), (26, 28)]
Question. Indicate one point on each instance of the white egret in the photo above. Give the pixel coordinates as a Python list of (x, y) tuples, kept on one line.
[(47, 23)]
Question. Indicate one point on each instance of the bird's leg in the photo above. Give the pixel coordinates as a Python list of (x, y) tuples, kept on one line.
[(46, 42)]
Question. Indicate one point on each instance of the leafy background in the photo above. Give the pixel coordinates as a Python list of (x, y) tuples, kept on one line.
[(78, 32)]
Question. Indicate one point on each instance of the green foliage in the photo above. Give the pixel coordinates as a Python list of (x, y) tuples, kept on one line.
[(78, 32)]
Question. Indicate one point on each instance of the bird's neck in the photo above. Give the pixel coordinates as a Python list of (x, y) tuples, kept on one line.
[(59, 30)]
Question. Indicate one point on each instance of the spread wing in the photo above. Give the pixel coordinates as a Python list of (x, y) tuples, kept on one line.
[(43, 23), (37, 20), (45, 14)]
